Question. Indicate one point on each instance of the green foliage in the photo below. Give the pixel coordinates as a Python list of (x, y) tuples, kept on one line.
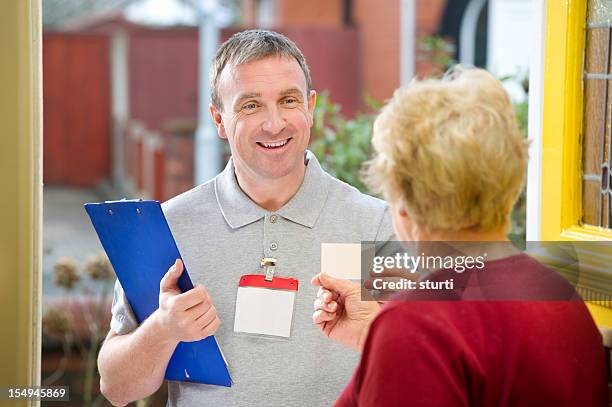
[(341, 144), (518, 217), (64, 323), (436, 50), (522, 113)]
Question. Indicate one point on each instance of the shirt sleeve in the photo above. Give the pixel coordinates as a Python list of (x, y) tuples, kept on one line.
[(409, 360), (123, 320)]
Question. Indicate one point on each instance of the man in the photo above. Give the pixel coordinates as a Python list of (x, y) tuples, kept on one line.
[(272, 200)]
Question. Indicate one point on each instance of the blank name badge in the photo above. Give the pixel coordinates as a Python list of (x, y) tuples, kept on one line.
[(265, 307)]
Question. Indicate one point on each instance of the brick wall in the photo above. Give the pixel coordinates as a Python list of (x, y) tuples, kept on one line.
[(379, 27), (378, 34), (312, 13), (163, 76)]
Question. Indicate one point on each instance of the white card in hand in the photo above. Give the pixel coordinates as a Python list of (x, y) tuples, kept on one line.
[(343, 260), (265, 308)]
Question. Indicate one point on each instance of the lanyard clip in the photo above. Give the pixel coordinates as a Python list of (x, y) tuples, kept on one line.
[(268, 263)]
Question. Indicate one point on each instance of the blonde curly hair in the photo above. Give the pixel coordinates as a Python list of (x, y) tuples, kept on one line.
[(451, 150)]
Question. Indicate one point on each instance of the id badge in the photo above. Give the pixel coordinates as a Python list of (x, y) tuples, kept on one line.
[(265, 307)]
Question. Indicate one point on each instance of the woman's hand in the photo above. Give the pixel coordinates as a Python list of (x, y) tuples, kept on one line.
[(340, 313)]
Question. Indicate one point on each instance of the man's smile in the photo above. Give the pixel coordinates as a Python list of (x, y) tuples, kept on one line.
[(276, 145)]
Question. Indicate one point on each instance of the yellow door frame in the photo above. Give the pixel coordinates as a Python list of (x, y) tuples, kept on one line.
[(21, 189), (562, 125), (561, 198)]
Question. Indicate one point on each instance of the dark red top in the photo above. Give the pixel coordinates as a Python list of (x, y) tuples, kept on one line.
[(481, 353)]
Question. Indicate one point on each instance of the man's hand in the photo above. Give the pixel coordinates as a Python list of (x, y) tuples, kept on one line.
[(188, 316), (340, 313)]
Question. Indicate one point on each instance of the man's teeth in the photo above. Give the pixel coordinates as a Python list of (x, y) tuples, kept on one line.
[(277, 144)]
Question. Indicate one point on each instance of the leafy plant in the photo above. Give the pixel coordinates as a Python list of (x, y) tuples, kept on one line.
[(518, 218), (438, 51), (78, 323), (341, 144)]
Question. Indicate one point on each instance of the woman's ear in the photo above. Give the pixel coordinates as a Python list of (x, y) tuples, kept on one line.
[(401, 221)]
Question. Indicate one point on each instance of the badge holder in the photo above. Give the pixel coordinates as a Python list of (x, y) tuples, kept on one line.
[(265, 303)]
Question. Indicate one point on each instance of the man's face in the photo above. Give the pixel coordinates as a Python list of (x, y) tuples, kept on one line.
[(266, 117)]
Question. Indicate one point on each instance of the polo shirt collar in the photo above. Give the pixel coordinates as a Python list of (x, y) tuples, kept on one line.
[(237, 208), (306, 205), (303, 208)]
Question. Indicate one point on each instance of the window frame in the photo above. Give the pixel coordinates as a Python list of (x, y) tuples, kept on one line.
[(562, 127), (21, 180), (562, 137)]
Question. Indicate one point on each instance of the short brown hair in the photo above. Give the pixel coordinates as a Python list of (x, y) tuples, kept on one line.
[(253, 45), (451, 150)]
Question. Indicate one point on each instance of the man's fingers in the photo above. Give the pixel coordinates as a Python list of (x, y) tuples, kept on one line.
[(207, 317), (320, 316), (200, 309), (192, 297), (170, 279), (211, 328)]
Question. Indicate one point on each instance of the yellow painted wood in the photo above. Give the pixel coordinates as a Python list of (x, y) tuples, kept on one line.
[(587, 233), (601, 315), (562, 118), (561, 209), (21, 192)]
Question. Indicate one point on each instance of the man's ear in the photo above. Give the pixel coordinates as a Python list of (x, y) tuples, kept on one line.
[(312, 101), (218, 121)]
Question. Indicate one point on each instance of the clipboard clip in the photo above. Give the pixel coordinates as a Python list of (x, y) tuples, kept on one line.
[(124, 200), (268, 264)]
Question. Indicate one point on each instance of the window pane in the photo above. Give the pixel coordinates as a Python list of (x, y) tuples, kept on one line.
[(594, 116), (597, 45), (596, 183), (590, 202), (596, 131), (599, 12)]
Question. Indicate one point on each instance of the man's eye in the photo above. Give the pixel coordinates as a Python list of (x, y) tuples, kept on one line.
[(290, 101), (250, 106)]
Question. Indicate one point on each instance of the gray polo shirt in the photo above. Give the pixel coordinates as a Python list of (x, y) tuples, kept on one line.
[(222, 234)]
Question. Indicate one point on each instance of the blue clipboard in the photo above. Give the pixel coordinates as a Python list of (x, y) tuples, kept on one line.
[(141, 248)]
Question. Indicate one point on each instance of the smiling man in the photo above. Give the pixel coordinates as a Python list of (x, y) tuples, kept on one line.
[(272, 200), (264, 108)]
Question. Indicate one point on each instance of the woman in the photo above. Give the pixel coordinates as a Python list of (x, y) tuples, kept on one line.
[(451, 161)]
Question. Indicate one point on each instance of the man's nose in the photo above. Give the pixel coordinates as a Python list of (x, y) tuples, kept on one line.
[(274, 122)]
